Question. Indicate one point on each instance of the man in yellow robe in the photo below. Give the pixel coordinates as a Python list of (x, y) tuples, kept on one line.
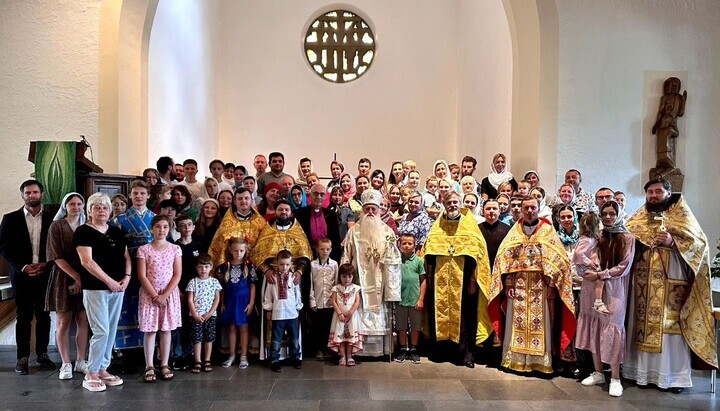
[(670, 313), (532, 270), (242, 221), (283, 233), (458, 266)]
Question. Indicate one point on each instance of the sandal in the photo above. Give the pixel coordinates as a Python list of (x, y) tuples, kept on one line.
[(149, 375), (112, 380), (166, 373), (93, 385), (196, 368), (350, 362), (342, 362), (207, 366)]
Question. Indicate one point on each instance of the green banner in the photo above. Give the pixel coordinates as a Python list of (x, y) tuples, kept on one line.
[(55, 168)]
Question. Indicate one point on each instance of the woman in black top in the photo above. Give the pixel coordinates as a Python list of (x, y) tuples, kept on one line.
[(105, 274)]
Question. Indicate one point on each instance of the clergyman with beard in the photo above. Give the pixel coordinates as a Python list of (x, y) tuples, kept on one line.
[(371, 247), (670, 313)]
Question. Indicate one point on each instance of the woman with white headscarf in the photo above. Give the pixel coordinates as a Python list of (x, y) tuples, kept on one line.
[(498, 174), (441, 170), (64, 290), (543, 210)]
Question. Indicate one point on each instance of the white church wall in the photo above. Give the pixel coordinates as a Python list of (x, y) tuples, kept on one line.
[(608, 52), (404, 106), (49, 81), (485, 83), (182, 118)]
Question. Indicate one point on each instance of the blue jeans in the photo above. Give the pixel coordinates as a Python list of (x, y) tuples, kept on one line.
[(279, 327), (103, 311)]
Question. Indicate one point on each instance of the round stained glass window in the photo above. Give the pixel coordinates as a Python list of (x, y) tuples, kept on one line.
[(339, 46)]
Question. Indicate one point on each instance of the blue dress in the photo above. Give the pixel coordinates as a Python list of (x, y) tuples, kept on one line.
[(236, 281)]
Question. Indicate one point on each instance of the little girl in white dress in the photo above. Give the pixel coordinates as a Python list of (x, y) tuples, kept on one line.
[(346, 334)]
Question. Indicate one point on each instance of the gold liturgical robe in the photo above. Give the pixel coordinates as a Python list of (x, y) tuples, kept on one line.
[(271, 241), (660, 302), (231, 227), (535, 262), (451, 242)]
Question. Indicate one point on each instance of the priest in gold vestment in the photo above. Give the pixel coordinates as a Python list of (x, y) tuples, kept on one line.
[(242, 221), (283, 233), (459, 281), (371, 247), (532, 270), (670, 313)]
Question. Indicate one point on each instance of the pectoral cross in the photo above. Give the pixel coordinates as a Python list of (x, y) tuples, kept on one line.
[(662, 219), (451, 250)]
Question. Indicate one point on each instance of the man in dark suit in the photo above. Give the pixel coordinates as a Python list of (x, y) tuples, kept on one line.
[(319, 222), (23, 236)]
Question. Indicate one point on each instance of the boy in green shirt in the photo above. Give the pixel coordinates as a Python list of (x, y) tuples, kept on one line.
[(412, 295)]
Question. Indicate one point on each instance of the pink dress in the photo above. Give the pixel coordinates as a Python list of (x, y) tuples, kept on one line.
[(159, 271)]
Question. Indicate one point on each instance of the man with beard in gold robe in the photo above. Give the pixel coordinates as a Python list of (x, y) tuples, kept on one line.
[(371, 247), (459, 278), (670, 321)]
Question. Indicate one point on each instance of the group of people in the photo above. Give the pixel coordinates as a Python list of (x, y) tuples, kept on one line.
[(494, 272)]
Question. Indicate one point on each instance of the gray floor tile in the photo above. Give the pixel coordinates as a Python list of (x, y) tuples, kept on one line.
[(445, 370), (320, 390), (370, 370), (35, 388), (514, 390), (395, 389), (609, 404), (139, 405), (477, 405), (48, 406), (208, 390), (365, 405), (658, 405), (272, 405)]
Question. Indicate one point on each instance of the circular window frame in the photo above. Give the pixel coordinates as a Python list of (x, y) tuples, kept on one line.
[(310, 28)]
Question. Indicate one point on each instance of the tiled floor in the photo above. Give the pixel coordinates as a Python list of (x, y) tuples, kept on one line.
[(324, 386)]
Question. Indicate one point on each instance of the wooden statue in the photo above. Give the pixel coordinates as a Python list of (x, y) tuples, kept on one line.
[(672, 106)]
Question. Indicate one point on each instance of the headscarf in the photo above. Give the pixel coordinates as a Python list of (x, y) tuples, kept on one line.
[(303, 201), (532, 172), (301, 178), (447, 168), (568, 239), (347, 196), (62, 212), (496, 178), (270, 187), (204, 193), (618, 227)]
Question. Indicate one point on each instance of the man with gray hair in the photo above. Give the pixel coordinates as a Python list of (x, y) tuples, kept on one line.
[(371, 247)]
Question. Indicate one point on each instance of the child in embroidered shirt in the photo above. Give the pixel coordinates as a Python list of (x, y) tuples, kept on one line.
[(238, 280), (346, 333), (282, 303), (586, 255), (324, 273), (203, 294)]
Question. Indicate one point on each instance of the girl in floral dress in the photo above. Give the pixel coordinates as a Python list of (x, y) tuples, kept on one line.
[(159, 271)]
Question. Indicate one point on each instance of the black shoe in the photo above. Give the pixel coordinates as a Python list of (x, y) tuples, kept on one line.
[(297, 363), (414, 357), (402, 356), (22, 366), (676, 390), (275, 366), (470, 364), (45, 362)]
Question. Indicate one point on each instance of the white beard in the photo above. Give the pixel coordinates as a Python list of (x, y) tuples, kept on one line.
[(371, 230)]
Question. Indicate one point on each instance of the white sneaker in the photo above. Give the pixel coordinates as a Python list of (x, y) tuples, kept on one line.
[(616, 388), (66, 371), (594, 379), (243, 363), (81, 366)]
